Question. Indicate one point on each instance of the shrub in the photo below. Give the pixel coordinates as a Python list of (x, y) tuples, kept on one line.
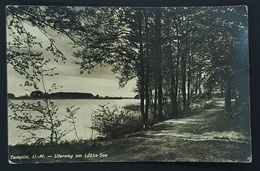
[(133, 107), (209, 105), (42, 116), (114, 121)]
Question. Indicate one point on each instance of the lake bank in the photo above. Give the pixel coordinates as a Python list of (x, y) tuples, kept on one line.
[(207, 136), (83, 118)]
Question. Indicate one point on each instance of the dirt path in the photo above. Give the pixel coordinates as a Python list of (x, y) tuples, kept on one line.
[(206, 136)]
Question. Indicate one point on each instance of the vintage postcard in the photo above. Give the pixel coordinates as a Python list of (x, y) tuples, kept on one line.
[(128, 84)]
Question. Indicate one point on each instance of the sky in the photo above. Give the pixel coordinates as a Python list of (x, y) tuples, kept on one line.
[(101, 81)]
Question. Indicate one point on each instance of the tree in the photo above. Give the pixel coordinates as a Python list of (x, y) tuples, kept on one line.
[(183, 54), (41, 115), (37, 94), (30, 63), (147, 67), (158, 14), (222, 44)]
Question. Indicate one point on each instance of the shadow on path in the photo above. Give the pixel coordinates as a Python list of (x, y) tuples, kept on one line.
[(204, 137)]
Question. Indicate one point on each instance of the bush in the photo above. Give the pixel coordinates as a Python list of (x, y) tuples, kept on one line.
[(114, 122), (42, 116), (133, 107), (209, 105)]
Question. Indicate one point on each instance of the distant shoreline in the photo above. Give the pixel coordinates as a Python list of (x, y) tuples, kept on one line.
[(62, 95), (111, 98)]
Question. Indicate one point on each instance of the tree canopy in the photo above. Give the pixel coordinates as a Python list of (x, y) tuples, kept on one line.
[(183, 54)]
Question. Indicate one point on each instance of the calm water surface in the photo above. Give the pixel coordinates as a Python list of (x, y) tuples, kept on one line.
[(83, 118)]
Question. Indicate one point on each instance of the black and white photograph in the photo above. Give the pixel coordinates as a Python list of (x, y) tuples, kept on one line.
[(128, 84)]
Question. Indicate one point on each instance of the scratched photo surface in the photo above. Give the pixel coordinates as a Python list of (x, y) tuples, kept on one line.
[(128, 84)]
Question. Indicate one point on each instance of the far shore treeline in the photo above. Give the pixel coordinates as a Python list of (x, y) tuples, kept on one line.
[(62, 95)]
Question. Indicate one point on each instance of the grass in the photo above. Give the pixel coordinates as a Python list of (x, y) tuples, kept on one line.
[(209, 105), (133, 107), (211, 138)]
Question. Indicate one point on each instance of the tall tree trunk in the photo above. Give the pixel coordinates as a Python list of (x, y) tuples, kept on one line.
[(177, 74), (197, 82), (147, 98), (200, 82), (158, 14), (173, 93), (176, 88), (183, 75), (228, 107), (155, 98), (189, 81), (141, 65), (172, 76)]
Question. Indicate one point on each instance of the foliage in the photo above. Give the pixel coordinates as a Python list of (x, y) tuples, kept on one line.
[(71, 118), (178, 53), (25, 53), (40, 116), (134, 107), (113, 122)]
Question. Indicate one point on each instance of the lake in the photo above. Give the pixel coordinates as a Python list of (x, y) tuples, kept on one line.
[(83, 118)]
